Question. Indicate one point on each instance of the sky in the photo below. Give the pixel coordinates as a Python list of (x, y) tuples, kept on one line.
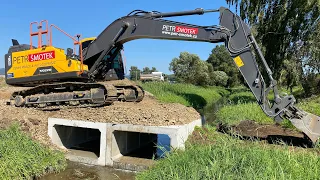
[(90, 18)]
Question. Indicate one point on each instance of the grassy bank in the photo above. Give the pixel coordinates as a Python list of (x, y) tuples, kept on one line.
[(186, 94), (23, 158), (213, 155), (218, 156), (242, 105), (236, 104)]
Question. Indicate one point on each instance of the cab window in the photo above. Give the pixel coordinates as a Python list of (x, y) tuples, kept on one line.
[(86, 44)]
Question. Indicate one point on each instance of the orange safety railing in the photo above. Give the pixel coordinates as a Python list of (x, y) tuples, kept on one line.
[(75, 42), (40, 32)]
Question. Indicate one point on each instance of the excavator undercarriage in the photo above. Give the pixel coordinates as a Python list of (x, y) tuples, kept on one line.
[(76, 94), (95, 58)]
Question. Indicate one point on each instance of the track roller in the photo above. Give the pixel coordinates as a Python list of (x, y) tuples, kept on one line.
[(76, 94)]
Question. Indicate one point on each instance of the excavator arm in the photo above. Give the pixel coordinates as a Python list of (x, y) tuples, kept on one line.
[(232, 31)]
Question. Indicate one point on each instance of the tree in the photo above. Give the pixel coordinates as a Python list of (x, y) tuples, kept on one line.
[(312, 51), (220, 78), (153, 69), (311, 63), (146, 70), (290, 74), (134, 73), (170, 77), (280, 25), (189, 68), (222, 61)]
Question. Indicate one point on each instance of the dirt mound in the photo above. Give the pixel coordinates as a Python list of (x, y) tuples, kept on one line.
[(120, 82), (272, 133), (147, 112), (251, 128)]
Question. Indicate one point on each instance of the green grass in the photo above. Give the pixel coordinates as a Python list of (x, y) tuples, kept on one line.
[(23, 158), (186, 94), (221, 156), (311, 105), (225, 157), (233, 114), (238, 103), (242, 105)]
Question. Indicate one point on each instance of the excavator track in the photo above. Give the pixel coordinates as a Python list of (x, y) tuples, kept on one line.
[(75, 95)]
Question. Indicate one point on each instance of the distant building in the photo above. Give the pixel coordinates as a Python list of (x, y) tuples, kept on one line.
[(154, 76)]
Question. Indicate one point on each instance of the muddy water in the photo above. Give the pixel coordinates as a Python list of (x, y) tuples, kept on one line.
[(77, 171)]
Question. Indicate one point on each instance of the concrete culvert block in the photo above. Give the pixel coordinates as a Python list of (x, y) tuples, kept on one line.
[(123, 146), (85, 141)]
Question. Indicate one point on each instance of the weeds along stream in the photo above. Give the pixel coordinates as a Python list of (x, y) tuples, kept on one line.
[(23, 158), (238, 115), (238, 142)]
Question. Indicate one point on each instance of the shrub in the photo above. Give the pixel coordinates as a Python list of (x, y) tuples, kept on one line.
[(220, 78)]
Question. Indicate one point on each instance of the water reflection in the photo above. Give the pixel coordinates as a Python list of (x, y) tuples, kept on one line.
[(163, 145)]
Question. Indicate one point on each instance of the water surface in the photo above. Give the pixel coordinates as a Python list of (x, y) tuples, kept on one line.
[(77, 171)]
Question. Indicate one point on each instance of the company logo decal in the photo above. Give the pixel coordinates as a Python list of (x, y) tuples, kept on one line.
[(41, 56), (45, 70), (180, 31)]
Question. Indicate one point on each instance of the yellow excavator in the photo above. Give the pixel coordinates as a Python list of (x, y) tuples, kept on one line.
[(60, 79)]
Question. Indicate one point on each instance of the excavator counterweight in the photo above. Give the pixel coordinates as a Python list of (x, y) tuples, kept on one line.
[(232, 31)]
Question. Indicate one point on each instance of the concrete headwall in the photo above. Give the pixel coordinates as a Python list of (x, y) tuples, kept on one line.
[(116, 140)]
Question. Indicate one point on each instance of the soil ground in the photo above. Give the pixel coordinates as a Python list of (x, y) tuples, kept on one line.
[(272, 133), (147, 112), (250, 130)]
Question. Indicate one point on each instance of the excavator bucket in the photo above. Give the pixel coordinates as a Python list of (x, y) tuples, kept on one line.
[(307, 123)]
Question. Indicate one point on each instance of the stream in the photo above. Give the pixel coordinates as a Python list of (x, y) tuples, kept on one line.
[(76, 171)]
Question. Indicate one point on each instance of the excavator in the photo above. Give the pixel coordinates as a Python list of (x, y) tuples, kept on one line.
[(78, 80)]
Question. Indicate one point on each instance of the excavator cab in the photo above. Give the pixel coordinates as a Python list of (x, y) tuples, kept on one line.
[(85, 42)]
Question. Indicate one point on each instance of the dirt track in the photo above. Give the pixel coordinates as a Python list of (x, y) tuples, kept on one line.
[(147, 112)]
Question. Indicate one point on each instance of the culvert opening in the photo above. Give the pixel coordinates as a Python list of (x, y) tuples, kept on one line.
[(79, 141), (141, 145)]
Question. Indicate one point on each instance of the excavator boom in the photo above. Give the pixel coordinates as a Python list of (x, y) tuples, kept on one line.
[(231, 31)]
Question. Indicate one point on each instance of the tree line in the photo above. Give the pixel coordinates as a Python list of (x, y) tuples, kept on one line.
[(287, 31), (217, 70)]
